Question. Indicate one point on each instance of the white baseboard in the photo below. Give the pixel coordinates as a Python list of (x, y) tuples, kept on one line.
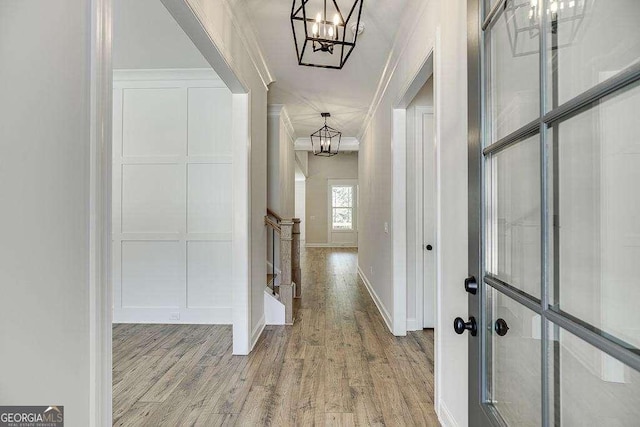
[(257, 331), (374, 296), (444, 416), (412, 324), (330, 245), (177, 316)]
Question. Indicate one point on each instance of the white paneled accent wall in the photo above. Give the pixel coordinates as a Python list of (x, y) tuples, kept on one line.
[(172, 164)]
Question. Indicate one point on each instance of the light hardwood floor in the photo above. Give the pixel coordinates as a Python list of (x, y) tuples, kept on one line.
[(338, 364)]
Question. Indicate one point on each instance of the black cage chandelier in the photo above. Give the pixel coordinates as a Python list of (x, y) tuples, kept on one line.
[(323, 36), (326, 140)]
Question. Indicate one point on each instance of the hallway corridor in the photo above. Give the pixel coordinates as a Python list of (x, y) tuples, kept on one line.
[(338, 364)]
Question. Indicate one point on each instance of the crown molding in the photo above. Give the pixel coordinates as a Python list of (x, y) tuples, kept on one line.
[(274, 109), (193, 12), (246, 31), (287, 124), (347, 143), (401, 39), (166, 74), (279, 110), (193, 19)]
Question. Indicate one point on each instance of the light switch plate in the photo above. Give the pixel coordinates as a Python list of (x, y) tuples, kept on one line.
[(386, 227)]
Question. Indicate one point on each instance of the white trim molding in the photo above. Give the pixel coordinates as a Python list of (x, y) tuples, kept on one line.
[(100, 290), (418, 271), (376, 299), (444, 415), (181, 9), (399, 220), (251, 42), (329, 245), (257, 331), (413, 324), (168, 74), (191, 18), (241, 225), (281, 111), (347, 143)]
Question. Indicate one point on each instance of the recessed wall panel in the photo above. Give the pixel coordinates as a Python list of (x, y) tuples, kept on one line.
[(209, 198), (154, 122), (208, 274), (209, 122), (153, 273), (153, 198), (171, 198)]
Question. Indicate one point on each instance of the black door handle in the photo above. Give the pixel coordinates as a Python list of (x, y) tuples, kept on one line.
[(501, 327), (459, 325), (428, 247), (471, 285)]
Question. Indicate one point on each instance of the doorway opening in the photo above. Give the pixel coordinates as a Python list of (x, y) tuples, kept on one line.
[(179, 223), (421, 210), (329, 186), (416, 207)]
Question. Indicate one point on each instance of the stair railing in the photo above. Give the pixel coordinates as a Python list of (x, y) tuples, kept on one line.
[(272, 220), (290, 273)]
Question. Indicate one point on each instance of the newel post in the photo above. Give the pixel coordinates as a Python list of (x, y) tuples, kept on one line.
[(295, 259), (286, 285)]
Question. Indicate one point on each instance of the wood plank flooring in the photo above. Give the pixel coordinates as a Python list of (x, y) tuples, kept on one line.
[(337, 366)]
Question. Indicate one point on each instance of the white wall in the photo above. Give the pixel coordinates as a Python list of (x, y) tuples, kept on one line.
[(287, 168), (302, 159), (145, 36), (172, 201), (281, 166), (48, 259), (281, 162), (441, 26), (44, 183), (321, 169), (273, 161)]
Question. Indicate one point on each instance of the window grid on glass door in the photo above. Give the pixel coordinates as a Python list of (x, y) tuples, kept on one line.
[(551, 114)]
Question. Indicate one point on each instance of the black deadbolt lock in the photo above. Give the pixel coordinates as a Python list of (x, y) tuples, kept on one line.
[(471, 285), (501, 327)]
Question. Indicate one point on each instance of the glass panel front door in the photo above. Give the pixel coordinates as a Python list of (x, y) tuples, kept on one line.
[(554, 212), (513, 348)]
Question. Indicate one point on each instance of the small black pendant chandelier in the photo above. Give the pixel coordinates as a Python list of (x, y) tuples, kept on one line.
[(322, 35), (326, 140)]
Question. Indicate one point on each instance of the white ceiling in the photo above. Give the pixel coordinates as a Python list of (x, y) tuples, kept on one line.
[(307, 91)]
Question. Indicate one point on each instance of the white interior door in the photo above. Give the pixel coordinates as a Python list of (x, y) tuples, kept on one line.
[(425, 136), (343, 212)]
